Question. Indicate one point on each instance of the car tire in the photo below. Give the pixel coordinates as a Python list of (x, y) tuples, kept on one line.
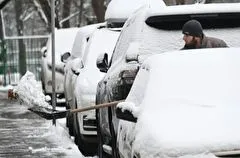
[(69, 121), (99, 137), (100, 152)]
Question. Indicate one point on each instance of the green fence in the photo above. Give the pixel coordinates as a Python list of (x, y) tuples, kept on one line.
[(20, 54)]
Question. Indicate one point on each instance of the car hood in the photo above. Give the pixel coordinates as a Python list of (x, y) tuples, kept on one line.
[(189, 102), (183, 128)]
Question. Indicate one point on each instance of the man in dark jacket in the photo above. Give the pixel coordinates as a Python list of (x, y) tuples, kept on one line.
[(195, 38)]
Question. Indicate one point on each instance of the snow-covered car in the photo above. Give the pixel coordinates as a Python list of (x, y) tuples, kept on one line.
[(71, 59), (63, 43), (115, 16), (101, 41), (182, 2), (153, 31), (183, 103)]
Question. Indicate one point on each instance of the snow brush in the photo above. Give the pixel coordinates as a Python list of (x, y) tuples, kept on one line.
[(51, 114)]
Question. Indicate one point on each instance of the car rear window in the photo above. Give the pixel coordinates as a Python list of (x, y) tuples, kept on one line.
[(213, 20), (224, 26)]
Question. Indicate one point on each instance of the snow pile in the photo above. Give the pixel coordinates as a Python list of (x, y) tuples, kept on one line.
[(60, 143), (130, 107), (76, 65), (30, 92)]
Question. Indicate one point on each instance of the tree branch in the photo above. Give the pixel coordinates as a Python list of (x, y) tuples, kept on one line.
[(3, 3)]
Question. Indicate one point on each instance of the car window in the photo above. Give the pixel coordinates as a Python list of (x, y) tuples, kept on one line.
[(162, 34), (99, 45), (130, 32)]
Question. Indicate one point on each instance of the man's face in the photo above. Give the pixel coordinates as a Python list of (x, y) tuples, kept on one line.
[(189, 40)]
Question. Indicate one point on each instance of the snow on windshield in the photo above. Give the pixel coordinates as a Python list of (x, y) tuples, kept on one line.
[(64, 39), (81, 39)]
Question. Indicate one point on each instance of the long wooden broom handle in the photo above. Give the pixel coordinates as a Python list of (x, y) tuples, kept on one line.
[(114, 103)]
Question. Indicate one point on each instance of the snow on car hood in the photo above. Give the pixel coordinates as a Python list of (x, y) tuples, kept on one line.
[(183, 128), (81, 39), (190, 103)]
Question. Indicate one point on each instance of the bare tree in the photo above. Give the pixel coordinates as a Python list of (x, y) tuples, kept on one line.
[(99, 9), (3, 53), (3, 3), (66, 12), (22, 51), (46, 8), (80, 15)]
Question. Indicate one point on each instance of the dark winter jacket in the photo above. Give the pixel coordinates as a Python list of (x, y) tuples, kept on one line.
[(210, 42)]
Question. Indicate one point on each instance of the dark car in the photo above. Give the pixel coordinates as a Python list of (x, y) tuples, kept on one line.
[(150, 31)]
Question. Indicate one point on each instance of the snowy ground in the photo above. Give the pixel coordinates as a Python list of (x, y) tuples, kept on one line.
[(23, 134)]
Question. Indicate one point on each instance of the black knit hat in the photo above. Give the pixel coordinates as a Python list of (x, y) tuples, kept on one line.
[(192, 28)]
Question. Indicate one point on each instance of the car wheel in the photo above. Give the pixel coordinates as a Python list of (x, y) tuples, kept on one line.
[(100, 152), (69, 121), (99, 136), (114, 138)]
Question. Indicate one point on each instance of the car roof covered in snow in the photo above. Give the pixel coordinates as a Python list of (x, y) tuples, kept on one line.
[(80, 41), (64, 39), (196, 9), (120, 10)]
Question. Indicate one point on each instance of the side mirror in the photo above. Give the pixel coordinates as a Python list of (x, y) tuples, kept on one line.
[(65, 56), (44, 51), (77, 65), (125, 114), (102, 62)]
